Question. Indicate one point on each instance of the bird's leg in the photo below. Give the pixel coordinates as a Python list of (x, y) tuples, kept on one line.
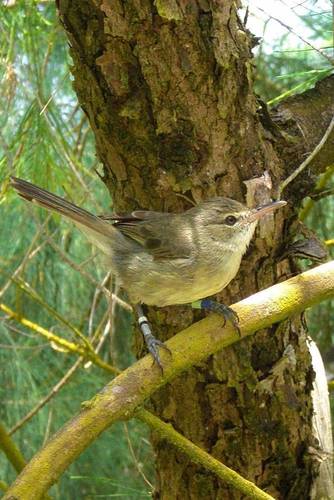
[(151, 342), (214, 306)]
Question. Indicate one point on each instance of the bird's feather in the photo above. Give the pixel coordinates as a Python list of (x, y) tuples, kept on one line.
[(156, 232)]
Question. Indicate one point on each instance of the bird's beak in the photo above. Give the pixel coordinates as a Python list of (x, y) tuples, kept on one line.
[(259, 212)]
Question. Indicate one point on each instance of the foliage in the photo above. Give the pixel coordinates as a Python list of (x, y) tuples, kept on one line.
[(295, 61)]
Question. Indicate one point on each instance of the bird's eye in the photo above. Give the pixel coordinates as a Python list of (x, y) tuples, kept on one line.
[(230, 220)]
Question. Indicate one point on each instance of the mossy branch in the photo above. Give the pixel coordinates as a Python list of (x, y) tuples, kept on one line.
[(10, 449), (80, 350), (166, 431), (13, 454), (201, 457), (120, 398), (3, 485)]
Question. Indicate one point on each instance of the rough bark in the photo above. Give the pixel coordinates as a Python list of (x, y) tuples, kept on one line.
[(167, 87)]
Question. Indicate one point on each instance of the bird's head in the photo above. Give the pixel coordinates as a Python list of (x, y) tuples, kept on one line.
[(231, 222)]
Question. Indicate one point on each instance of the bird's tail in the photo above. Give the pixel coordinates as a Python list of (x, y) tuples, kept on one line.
[(57, 204)]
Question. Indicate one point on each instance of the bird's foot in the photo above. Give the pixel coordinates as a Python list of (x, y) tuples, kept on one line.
[(226, 311), (153, 344)]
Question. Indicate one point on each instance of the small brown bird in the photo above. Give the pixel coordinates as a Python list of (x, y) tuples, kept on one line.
[(166, 258)]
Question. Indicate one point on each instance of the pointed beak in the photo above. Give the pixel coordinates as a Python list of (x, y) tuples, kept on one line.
[(259, 212)]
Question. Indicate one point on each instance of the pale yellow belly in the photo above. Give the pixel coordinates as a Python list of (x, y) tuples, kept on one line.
[(162, 286)]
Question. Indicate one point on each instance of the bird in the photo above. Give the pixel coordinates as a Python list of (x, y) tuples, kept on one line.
[(163, 258)]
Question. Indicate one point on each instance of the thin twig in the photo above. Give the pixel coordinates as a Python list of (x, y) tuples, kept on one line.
[(48, 425), (112, 317), (90, 278), (30, 253), (322, 182), (132, 452), (61, 147), (26, 287), (94, 303), (14, 329), (305, 163), (47, 398), (59, 341), (329, 59), (96, 336), (53, 93), (100, 343), (37, 347)]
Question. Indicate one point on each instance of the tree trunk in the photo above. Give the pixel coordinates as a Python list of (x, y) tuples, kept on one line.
[(167, 87)]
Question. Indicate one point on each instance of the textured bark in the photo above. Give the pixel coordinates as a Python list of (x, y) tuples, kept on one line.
[(167, 87)]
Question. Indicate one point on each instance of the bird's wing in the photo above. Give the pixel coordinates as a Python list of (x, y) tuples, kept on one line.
[(157, 232)]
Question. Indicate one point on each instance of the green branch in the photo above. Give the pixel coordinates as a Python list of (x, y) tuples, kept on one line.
[(13, 454), (120, 398), (64, 344), (10, 449), (201, 457), (166, 431)]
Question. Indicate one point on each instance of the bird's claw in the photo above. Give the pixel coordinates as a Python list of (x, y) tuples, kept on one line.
[(153, 345), (226, 311), (230, 315)]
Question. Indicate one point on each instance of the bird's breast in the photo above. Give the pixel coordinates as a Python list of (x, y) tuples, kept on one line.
[(164, 283)]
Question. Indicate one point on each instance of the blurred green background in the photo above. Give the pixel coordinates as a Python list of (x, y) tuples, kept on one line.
[(48, 269)]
